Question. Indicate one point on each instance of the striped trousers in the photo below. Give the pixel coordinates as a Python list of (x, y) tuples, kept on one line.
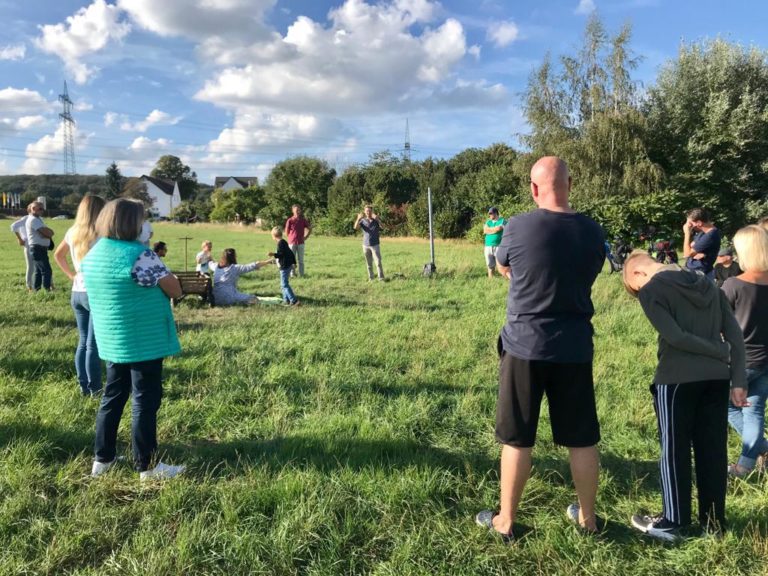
[(693, 415)]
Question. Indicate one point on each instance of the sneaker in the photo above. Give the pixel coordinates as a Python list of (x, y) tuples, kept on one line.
[(572, 513), (161, 472), (657, 527), (295, 303), (100, 468), (484, 519)]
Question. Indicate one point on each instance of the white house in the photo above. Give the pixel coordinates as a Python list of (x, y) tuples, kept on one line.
[(164, 193), (234, 182)]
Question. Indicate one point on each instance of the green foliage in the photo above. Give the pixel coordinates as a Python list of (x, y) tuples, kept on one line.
[(114, 182), (245, 204), (137, 189), (170, 167), (708, 120), (302, 180)]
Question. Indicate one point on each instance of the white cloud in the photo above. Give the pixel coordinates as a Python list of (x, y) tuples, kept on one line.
[(204, 18), (155, 118), (503, 33), (585, 7), (45, 156), (89, 30), (144, 143), (16, 52), (15, 100), (474, 51), (367, 58), (27, 122), (109, 118)]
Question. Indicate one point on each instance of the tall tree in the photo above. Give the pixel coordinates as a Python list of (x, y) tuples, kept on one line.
[(302, 180), (708, 119), (170, 167), (114, 181)]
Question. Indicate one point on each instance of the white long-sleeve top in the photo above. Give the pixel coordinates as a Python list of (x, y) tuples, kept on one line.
[(225, 284)]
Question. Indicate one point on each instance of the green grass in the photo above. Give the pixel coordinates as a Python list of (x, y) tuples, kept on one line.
[(353, 435)]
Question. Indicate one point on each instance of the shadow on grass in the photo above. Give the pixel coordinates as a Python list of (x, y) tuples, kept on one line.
[(62, 444), (326, 454)]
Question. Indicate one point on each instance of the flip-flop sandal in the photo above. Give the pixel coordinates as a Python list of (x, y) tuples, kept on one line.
[(485, 519), (572, 512)]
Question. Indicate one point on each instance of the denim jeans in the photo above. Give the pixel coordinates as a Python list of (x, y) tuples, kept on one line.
[(285, 286), (43, 272), (87, 361), (145, 381), (749, 422)]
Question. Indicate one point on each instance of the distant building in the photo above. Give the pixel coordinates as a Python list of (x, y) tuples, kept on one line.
[(234, 182), (164, 193)]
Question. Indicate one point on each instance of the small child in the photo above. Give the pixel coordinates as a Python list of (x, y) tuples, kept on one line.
[(204, 258), (286, 260), (160, 248), (690, 389)]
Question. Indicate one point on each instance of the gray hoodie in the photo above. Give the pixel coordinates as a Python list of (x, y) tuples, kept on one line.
[(692, 316)]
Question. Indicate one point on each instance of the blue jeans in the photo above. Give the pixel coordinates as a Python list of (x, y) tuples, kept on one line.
[(285, 286), (145, 381), (749, 422), (87, 361), (43, 272)]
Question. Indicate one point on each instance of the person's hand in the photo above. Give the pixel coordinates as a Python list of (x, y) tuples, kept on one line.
[(271, 254), (688, 226), (360, 216), (739, 397)]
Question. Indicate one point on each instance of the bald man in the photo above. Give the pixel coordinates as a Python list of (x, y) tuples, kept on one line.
[(552, 257)]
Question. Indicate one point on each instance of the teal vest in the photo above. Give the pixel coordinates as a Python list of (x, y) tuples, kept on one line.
[(131, 323)]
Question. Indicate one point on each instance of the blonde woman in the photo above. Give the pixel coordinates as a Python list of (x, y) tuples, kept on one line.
[(77, 241), (748, 296)]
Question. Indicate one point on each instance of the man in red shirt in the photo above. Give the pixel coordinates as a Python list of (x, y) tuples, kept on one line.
[(297, 230)]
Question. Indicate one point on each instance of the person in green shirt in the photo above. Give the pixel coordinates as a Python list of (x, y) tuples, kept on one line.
[(493, 230)]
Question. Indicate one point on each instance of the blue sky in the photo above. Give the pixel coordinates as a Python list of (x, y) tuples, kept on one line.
[(234, 86)]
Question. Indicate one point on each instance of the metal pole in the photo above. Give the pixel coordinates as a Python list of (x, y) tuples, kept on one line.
[(431, 232), (186, 240)]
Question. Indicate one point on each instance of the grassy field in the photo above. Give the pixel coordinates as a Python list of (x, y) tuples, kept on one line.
[(353, 435)]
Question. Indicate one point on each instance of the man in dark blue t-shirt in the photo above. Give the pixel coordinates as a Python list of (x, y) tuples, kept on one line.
[(552, 256), (701, 251)]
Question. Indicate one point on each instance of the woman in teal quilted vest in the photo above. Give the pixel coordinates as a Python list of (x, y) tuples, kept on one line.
[(128, 291)]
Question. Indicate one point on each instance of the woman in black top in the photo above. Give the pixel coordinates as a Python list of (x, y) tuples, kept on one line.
[(748, 296)]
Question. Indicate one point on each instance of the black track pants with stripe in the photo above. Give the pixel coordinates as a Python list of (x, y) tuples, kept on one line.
[(693, 414)]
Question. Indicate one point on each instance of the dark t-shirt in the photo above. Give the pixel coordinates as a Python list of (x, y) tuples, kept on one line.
[(707, 243), (370, 230), (750, 306), (554, 259), (722, 273), (285, 257)]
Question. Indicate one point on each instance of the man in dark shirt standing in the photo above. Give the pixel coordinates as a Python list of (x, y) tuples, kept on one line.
[(369, 223), (552, 256), (701, 252)]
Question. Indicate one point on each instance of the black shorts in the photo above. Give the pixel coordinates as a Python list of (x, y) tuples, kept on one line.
[(570, 395)]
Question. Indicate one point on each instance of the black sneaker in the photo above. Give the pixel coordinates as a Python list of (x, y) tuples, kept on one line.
[(657, 527)]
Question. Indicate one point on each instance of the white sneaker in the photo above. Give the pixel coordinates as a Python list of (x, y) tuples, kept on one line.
[(100, 468), (161, 472)]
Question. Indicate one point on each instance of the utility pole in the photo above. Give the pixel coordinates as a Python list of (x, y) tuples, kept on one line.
[(68, 124), (407, 145)]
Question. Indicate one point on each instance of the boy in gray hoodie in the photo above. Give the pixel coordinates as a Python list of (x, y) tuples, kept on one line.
[(690, 389)]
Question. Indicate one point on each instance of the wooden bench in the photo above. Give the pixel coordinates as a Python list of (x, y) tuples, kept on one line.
[(195, 283)]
